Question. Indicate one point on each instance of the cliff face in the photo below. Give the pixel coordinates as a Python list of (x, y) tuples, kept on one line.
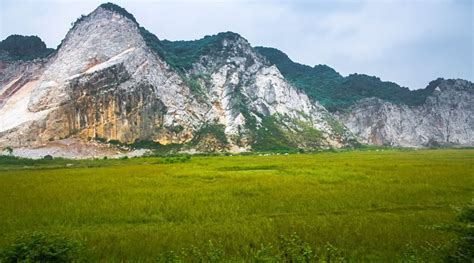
[(446, 118), (246, 94), (105, 82), (112, 80)]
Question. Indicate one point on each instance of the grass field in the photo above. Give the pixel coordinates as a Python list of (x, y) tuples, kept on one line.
[(361, 205)]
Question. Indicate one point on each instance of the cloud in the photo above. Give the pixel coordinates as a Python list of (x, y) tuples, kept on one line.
[(409, 42)]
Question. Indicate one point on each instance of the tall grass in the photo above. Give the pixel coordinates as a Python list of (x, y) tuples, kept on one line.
[(366, 205)]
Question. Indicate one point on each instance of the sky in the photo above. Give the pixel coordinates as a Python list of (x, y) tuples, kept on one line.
[(407, 42)]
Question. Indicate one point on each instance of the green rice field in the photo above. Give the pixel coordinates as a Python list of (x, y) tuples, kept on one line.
[(378, 205)]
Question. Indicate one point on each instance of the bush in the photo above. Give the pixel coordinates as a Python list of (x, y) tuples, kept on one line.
[(290, 248), (175, 159), (464, 247), (293, 249), (213, 252), (213, 129), (39, 247), (48, 157)]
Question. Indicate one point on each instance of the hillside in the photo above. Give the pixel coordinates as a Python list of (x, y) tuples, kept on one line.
[(336, 92), (113, 82), (17, 47)]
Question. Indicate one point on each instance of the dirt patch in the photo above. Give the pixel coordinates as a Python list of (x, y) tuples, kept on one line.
[(76, 149)]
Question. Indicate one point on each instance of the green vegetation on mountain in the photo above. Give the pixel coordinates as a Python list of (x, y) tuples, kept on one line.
[(336, 92), (213, 131), (17, 47), (270, 137), (118, 9), (316, 81), (181, 55), (321, 82)]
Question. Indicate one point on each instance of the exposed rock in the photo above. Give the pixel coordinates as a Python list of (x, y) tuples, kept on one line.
[(75, 149), (241, 85), (105, 82), (446, 118)]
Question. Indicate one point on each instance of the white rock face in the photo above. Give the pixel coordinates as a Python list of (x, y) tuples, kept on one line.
[(105, 82), (242, 76), (446, 118), (103, 44)]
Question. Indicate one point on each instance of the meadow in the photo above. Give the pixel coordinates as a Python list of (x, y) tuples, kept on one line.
[(391, 206)]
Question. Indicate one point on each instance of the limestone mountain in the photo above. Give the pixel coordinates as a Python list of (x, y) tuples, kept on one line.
[(383, 113), (112, 80), (445, 118), (335, 92)]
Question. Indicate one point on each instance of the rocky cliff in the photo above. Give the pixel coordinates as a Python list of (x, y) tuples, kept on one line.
[(102, 82), (111, 80), (107, 82), (446, 118)]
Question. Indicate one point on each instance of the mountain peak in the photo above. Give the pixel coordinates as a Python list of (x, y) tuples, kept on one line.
[(119, 10), (229, 35)]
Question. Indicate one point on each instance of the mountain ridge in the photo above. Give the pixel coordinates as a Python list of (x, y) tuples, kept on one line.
[(112, 80), (105, 81)]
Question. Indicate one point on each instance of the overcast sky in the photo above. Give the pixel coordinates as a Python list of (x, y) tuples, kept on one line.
[(408, 42)]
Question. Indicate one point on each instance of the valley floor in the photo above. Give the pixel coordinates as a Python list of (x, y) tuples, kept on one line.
[(364, 205)]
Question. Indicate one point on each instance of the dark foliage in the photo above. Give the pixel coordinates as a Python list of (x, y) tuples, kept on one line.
[(270, 138), (214, 130), (39, 247), (464, 247), (335, 92), (17, 47), (182, 54), (115, 8)]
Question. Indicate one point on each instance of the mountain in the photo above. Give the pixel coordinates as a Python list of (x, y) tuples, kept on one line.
[(336, 92), (383, 113), (445, 118), (111, 80)]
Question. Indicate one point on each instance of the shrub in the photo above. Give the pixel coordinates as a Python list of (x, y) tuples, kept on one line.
[(39, 247), (213, 252), (293, 249), (175, 159), (270, 137), (212, 129), (464, 247), (48, 157), (290, 248)]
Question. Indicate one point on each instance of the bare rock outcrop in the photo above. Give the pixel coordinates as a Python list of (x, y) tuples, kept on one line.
[(446, 118), (105, 82)]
